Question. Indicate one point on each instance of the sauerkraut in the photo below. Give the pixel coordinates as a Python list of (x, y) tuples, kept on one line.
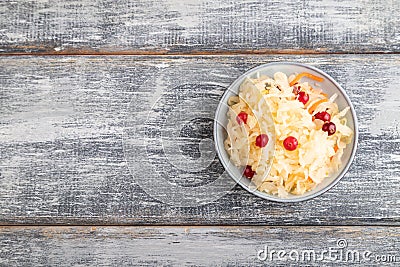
[(273, 107)]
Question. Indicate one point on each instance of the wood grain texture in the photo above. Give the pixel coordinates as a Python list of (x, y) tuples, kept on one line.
[(201, 26), (62, 142), (196, 246)]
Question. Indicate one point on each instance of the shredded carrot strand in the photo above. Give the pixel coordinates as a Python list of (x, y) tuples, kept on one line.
[(305, 74), (336, 149), (316, 104)]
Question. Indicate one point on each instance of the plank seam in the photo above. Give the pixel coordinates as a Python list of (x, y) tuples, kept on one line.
[(193, 54), (200, 225)]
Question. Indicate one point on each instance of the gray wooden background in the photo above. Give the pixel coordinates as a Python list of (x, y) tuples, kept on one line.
[(91, 90)]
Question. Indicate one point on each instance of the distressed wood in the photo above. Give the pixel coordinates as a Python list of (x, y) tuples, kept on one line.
[(196, 246), (62, 142), (201, 26)]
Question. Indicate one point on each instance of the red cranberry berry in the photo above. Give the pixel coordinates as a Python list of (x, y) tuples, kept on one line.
[(325, 127), (241, 117), (262, 140), (248, 172), (329, 127), (290, 143), (323, 116), (303, 97)]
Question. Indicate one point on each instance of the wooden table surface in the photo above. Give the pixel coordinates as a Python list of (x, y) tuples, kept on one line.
[(90, 92)]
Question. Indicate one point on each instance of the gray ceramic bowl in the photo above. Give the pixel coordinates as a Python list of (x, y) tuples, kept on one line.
[(329, 85)]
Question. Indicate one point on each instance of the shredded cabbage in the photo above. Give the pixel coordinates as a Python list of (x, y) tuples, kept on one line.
[(273, 108)]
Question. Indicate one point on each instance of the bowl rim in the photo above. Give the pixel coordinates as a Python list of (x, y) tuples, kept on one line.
[(265, 195)]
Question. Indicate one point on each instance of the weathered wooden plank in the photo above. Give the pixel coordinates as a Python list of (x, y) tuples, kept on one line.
[(173, 26), (62, 141), (199, 246)]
